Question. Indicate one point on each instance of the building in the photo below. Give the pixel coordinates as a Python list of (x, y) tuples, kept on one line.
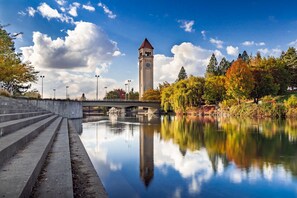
[(146, 67)]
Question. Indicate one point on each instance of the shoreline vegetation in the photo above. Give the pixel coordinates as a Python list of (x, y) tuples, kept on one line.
[(251, 86)]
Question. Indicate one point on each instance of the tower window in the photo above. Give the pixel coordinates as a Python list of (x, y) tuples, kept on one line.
[(147, 53), (140, 54)]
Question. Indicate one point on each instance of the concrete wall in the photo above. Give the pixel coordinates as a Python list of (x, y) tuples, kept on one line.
[(64, 108)]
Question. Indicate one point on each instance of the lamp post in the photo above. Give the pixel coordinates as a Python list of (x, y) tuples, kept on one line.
[(54, 93), (105, 92), (67, 92), (128, 88), (126, 91), (42, 77), (97, 76)]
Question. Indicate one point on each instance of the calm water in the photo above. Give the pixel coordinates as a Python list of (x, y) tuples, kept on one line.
[(204, 157)]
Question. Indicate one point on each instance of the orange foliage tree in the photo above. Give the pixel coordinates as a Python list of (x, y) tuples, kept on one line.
[(239, 80)]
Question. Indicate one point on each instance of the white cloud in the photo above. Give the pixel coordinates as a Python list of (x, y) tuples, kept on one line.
[(203, 33), (276, 52), (218, 43), (233, 51), (107, 11), (85, 48), (248, 43), (47, 12), (88, 7), (193, 58), (186, 25), (31, 11), (293, 43), (251, 43), (61, 2), (22, 13), (73, 9)]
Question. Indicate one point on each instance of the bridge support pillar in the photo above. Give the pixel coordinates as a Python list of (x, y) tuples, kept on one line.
[(152, 110), (123, 110)]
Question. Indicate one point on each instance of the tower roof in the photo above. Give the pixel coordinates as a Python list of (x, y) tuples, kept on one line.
[(146, 44)]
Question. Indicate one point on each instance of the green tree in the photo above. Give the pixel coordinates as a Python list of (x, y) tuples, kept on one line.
[(239, 80), (182, 74), (290, 58), (245, 57), (212, 67), (215, 90), (223, 66), (133, 95), (15, 75)]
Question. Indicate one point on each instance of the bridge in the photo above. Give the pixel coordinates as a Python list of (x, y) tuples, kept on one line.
[(153, 106)]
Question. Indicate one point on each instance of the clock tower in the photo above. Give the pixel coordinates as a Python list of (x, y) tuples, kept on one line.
[(146, 67)]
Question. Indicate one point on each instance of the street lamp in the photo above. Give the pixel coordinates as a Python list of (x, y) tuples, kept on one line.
[(42, 77), (126, 91), (54, 93), (67, 92), (105, 92), (97, 76), (128, 88)]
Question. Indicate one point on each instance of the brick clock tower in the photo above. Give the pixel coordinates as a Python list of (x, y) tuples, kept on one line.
[(146, 67)]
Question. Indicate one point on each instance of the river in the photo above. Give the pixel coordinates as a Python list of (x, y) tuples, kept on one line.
[(193, 157)]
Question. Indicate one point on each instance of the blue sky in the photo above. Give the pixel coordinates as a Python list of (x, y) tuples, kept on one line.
[(71, 41)]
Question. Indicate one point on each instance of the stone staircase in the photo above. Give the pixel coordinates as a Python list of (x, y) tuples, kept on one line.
[(35, 155)]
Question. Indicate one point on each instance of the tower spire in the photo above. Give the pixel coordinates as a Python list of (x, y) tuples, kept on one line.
[(146, 44)]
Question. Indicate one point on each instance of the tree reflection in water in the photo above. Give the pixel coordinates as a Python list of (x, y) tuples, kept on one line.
[(247, 143)]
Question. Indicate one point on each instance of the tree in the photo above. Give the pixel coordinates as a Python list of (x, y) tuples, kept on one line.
[(215, 90), (239, 80), (151, 94), (32, 94), (264, 84), (245, 57), (290, 58), (133, 95), (15, 75), (223, 66), (182, 74), (167, 98), (116, 94), (212, 67)]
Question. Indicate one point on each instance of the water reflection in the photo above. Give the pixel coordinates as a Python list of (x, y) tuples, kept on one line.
[(183, 157), (146, 142)]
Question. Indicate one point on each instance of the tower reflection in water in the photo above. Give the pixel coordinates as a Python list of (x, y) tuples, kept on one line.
[(146, 154)]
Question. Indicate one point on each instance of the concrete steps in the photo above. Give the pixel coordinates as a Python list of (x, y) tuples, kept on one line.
[(11, 143), (19, 174), (13, 125), (56, 176), (15, 116), (35, 153)]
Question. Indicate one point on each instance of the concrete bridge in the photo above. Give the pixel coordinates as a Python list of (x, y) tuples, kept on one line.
[(153, 106)]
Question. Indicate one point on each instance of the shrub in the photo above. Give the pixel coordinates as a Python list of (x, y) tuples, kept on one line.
[(291, 102), (4, 92)]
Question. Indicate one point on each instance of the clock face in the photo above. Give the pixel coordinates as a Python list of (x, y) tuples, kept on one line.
[(147, 65)]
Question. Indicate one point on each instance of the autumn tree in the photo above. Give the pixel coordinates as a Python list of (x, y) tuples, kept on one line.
[(215, 90), (15, 75), (290, 58), (151, 94), (212, 67), (239, 80), (115, 94), (182, 74)]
